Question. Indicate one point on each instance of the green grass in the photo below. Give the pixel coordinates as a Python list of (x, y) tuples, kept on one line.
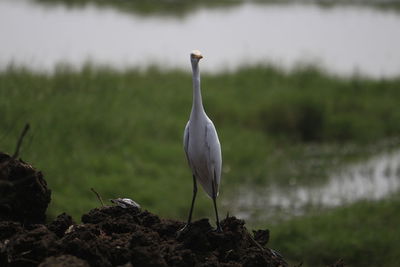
[(363, 234), (181, 8), (121, 132)]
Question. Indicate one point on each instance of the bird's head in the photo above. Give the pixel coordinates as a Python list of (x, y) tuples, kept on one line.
[(195, 56)]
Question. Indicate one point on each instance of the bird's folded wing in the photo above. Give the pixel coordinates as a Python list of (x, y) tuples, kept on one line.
[(214, 159), (186, 140)]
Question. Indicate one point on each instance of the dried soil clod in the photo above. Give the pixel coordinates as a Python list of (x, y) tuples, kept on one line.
[(23, 190), (61, 224)]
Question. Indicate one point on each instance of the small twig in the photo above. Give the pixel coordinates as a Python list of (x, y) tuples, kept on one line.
[(98, 197), (21, 137)]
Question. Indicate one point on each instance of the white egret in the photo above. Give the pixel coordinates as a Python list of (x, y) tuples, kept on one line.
[(201, 145)]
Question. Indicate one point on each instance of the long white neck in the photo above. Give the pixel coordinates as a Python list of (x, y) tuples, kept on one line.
[(197, 107)]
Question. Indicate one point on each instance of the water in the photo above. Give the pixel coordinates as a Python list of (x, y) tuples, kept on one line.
[(343, 39), (373, 179)]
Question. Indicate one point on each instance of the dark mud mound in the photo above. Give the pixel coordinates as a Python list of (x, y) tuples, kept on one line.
[(151, 241), (24, 195), (111, 236), (114, 236)]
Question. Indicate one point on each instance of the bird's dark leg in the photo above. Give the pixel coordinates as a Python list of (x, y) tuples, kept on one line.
[(214, 198), (193, 199), (192, 206)]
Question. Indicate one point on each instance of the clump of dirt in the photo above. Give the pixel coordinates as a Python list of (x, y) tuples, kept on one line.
[(24, 193)]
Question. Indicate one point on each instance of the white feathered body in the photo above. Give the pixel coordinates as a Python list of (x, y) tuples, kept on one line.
[(203, 151)]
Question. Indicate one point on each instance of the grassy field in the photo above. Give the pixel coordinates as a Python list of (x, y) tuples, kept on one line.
[(363, 234), (121, 133)]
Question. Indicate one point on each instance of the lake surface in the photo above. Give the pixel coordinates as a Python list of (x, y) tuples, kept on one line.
[(343, 39), (373, 179)]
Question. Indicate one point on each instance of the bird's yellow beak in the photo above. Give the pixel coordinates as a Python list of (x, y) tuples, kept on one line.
[(198, 56)]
